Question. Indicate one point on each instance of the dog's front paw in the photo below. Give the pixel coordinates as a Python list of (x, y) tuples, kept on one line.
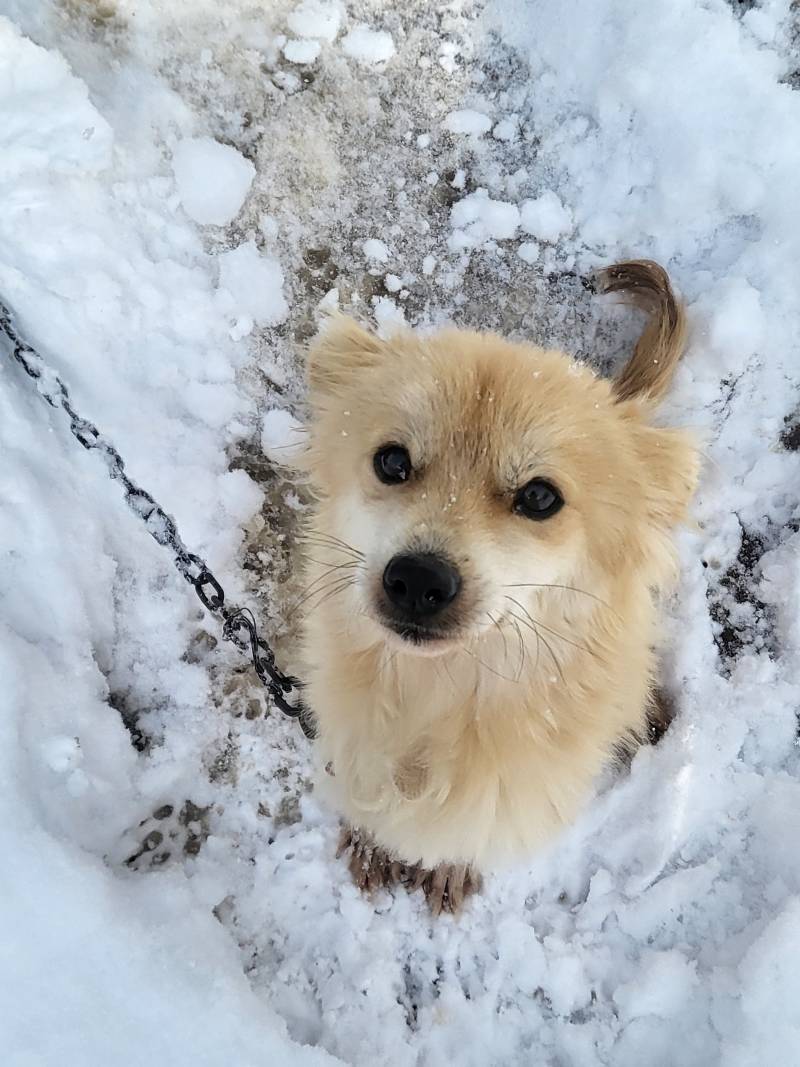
[(371, 867), (447, 886)]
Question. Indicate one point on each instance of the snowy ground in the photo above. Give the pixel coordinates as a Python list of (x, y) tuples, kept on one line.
[(169, 893)]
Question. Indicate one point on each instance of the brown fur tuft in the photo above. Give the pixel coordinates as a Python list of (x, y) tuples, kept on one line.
[(649, 371)]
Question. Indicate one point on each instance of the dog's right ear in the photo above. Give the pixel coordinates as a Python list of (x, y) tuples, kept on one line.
[(339, 353)]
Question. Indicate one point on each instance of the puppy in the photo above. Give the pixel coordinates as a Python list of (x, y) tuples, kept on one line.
[(492, 530)]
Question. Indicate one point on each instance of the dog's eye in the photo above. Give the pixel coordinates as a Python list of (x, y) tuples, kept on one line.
[(392, 464), (538, 500)]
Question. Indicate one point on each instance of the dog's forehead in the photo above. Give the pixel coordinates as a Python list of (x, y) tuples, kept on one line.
[(490, 406)]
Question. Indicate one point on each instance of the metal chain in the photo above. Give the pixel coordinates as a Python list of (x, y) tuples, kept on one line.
[(238, 624)]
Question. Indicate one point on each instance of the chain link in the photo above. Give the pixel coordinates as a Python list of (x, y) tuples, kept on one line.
[(238, 624)]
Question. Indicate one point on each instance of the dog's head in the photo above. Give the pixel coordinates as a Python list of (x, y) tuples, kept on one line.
[(462, 477)]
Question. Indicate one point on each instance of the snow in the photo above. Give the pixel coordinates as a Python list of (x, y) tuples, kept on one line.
[(255, 284), (151, 979), (506, 129), (663, 927), (282, 436), (98, 965), (27, 85), (316, 18), (736, 322), (367, 45), (468, 121), (478, 218), (301, 51), (528, 251), (375, 250), (545, 217), (388, 316), (213, 179), (663, 986), (771, 1019)]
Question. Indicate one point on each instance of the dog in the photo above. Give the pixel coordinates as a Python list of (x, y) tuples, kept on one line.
[(492, 528)]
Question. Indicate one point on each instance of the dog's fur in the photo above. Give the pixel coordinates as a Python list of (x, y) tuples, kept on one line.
[(477, 754)]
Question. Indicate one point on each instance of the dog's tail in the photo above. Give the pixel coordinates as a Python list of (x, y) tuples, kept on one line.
[(649, 371)]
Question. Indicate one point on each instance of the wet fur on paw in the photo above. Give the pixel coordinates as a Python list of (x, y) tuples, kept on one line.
[(372, 867)]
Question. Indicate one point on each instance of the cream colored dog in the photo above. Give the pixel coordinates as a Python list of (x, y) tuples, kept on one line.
[(491, 534)]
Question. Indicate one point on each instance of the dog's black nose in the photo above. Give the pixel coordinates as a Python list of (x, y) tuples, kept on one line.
[(420, 585)]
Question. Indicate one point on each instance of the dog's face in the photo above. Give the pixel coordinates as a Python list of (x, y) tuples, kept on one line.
[(467, 477)]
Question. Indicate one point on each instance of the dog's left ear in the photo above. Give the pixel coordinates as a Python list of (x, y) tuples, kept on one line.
[(667, 467), (670, 468), (340, 352)]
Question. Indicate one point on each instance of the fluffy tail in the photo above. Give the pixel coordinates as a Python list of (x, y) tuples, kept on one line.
[(649, 371)]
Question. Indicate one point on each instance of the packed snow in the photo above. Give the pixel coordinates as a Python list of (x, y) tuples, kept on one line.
[(301, 51), (376, 250), (181, 196), (212, 179), (368, 46), (477, 218), (468, 121), (545, 217), (282, 436), (315, 18), (254, 283)]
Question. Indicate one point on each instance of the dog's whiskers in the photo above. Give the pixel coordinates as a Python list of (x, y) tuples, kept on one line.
[(500, 631), (446, 667), (521, 641), (330, 567), (499, 628), (555, 585), (540, 637), (328, 560), (336, 586), (384, 665), (330, 594), (538, 622), (324, 547), (328, 540), (478, 660), (319, 562), (309, 589)]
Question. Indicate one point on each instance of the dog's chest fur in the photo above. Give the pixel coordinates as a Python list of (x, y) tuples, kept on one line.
[(444, 759)]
